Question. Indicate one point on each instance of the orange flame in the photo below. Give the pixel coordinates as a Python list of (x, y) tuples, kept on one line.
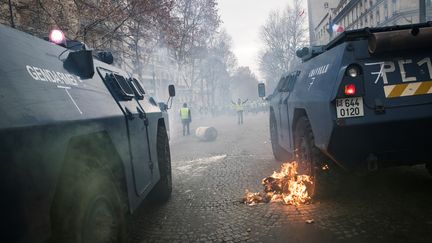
[(286, 186)]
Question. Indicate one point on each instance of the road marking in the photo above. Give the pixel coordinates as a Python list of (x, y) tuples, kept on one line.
[(196, 166)]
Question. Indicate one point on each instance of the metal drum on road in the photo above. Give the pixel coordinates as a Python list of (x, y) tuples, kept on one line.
[(206, 133)]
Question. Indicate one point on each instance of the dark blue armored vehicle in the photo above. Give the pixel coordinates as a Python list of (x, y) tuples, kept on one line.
[(81, 144), (363, 101)]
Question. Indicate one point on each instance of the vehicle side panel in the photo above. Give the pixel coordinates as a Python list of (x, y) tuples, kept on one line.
[(43, 108), (313, 91)]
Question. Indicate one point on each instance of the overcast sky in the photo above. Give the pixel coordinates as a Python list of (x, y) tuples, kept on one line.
[(242, 19)]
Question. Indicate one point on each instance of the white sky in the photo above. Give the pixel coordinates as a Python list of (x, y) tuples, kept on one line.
[(242, 19)]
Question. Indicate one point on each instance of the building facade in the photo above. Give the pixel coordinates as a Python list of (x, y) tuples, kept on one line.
[(357, 14), (318, 12)]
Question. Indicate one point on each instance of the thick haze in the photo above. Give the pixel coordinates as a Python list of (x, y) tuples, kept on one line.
[(242, 19)]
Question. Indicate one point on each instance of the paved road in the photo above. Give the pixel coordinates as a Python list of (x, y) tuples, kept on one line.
[(210, 178)]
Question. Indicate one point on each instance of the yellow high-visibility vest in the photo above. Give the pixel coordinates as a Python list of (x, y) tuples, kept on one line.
[(184, 113), (239, 107)]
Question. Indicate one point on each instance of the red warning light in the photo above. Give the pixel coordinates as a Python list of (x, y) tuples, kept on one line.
[(350, 89), (56, 36)]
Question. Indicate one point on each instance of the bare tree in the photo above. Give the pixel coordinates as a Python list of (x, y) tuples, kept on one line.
[(145, 30), (197, 21), (216, 69), (243, 83), (283, 34), (137, 32), (93, 22), (126, 28)]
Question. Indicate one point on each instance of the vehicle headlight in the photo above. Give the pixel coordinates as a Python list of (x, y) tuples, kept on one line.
[(353, 71)]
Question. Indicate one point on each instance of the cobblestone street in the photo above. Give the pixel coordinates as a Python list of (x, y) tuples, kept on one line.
[(210, 178)]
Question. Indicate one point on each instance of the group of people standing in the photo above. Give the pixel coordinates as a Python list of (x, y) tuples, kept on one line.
[(186, 117)]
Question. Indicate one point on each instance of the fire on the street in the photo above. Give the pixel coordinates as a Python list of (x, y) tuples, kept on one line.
[(286, 186)]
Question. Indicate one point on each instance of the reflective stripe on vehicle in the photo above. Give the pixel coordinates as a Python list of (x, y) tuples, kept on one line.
[(408, 89)]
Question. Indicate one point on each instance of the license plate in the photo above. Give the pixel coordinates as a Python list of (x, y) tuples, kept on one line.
[(349, 107)]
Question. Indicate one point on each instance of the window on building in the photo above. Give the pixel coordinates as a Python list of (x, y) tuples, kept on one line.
[(386, 10), (326, 5), (378, 17), (370, 3), (394, 6), (429, 10)]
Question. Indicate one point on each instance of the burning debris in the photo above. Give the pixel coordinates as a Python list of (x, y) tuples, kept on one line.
[(325, 167), (286, 186), (310, 221), (253, 198)]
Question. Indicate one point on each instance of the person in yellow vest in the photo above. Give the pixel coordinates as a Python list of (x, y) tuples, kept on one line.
[(186, 118), (239, 106)]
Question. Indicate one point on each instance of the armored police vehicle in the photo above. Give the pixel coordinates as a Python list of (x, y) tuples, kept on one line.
[(81, 144), (363, 101)]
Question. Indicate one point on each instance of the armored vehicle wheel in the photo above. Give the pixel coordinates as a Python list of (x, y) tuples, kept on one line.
[(429, 167), (311, 161), (162, 190), (279, 153), (91, 210)]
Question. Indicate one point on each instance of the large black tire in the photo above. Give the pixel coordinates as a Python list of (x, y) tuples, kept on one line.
[(311, 161), (429, 167), (279, 153), (162, 190), (89, 208)]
